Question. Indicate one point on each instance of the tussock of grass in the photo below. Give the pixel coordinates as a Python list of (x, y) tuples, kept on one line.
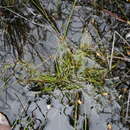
[(70, 68)]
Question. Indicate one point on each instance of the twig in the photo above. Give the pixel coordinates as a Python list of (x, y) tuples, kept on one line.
[(112, 51), (116, 16), (122, 58), (113, 44)]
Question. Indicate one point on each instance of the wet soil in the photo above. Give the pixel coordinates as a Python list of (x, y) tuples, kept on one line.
[(33, 40)]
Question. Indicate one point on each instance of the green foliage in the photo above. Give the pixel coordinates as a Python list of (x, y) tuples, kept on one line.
[(95, 76), (69, 69)]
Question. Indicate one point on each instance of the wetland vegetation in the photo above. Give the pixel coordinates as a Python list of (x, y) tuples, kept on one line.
[(66, 63)]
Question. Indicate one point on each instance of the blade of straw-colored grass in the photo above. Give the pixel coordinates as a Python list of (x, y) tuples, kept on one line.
[(21, 112), (112, 51), (122, 58), (30, 21), (6, 7), (45, 14), (23, 106), (69, 19), (122, 38)]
